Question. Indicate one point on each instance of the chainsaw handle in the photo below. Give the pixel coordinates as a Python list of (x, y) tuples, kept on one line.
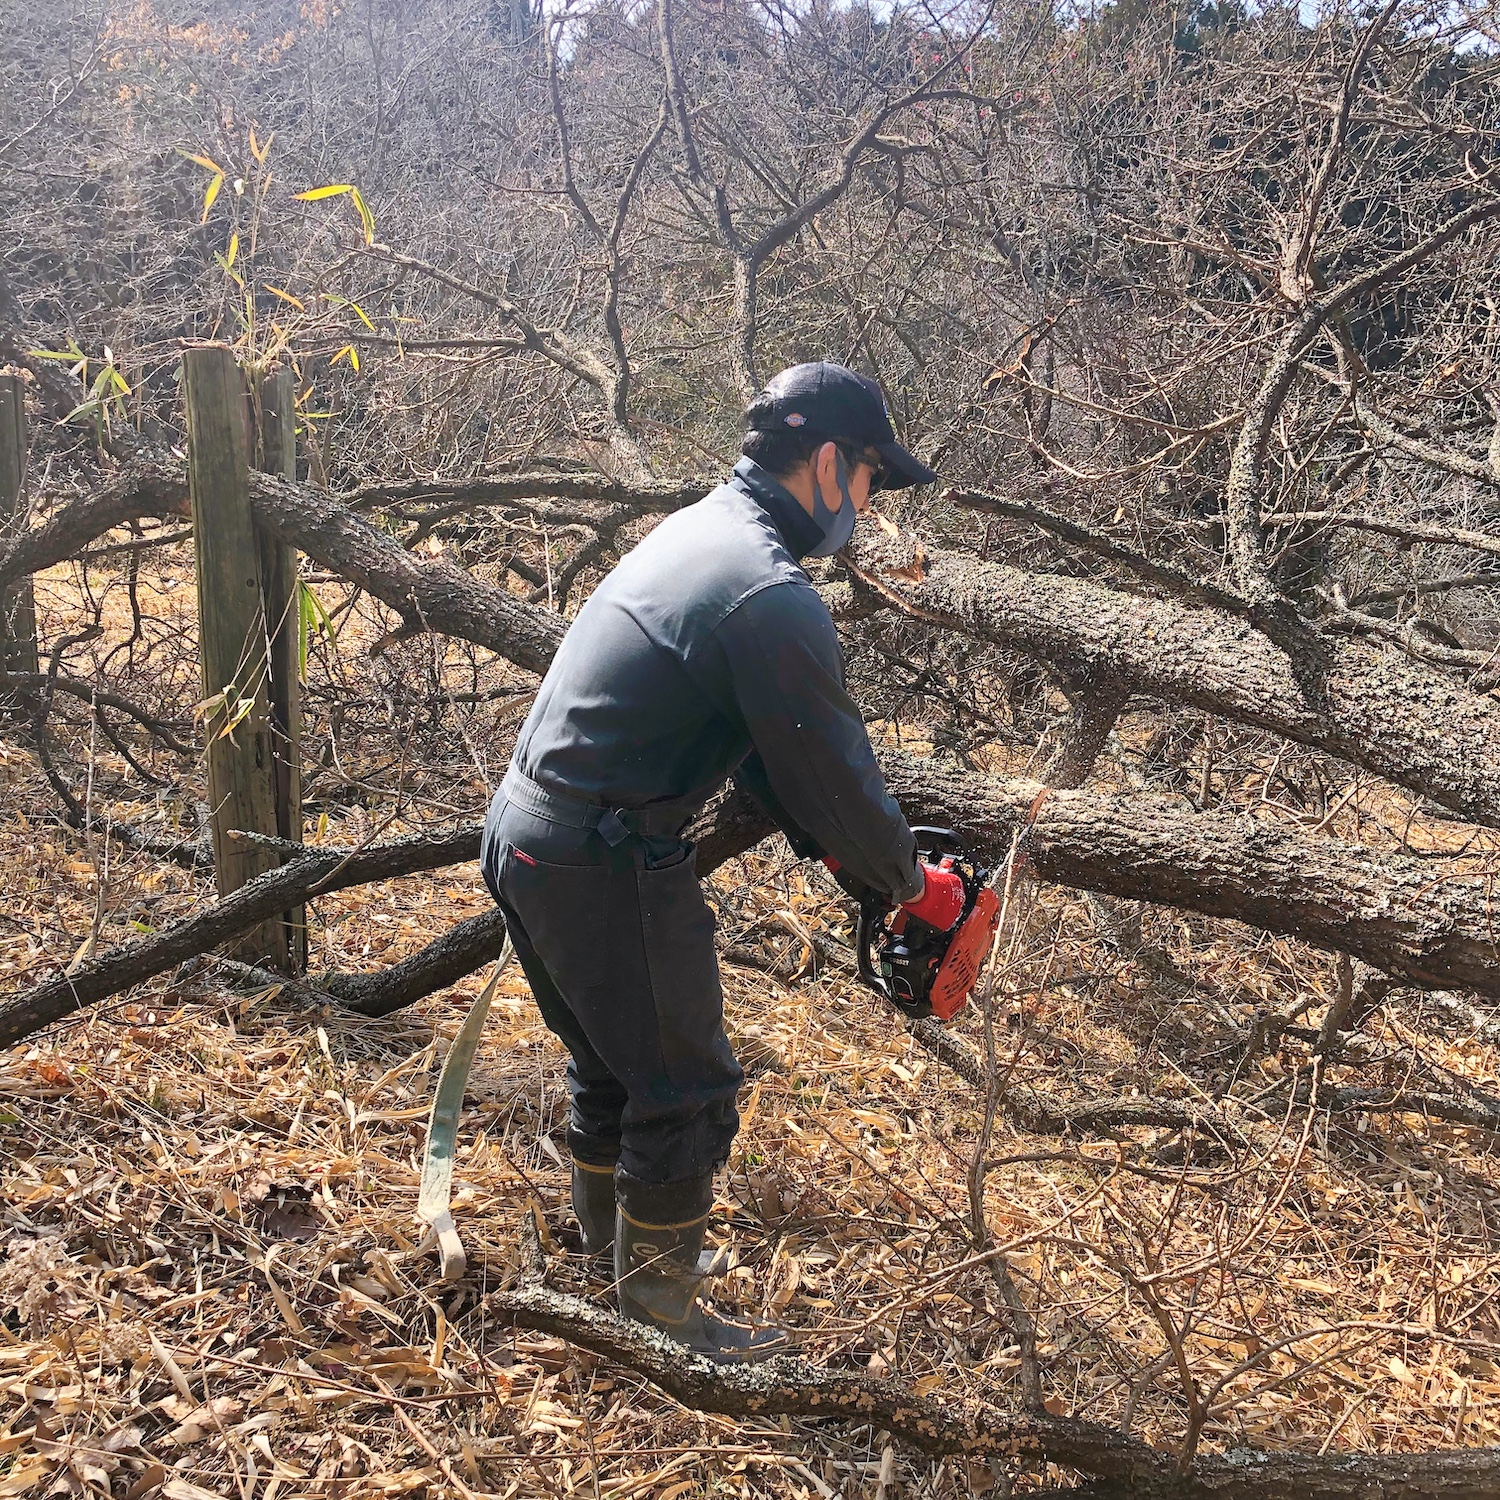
[(872, 909), (947, 835)]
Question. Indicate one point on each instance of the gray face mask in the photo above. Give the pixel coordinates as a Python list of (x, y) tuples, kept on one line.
[(837, 526)]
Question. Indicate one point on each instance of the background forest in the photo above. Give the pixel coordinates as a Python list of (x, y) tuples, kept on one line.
[(1194, 309)]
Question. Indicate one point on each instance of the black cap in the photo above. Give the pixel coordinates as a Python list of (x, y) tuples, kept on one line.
[(823, 400)]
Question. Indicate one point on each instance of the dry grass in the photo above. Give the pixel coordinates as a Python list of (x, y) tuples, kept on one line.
[(211, 1281)]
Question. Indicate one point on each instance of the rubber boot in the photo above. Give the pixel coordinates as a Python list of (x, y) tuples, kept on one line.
[(657, 1270), (594, 1204), (594, 1208)]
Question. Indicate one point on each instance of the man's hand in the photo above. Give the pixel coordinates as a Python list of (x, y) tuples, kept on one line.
[(941, 903)]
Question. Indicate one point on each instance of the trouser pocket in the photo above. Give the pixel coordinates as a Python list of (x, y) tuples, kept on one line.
[(563, 908)]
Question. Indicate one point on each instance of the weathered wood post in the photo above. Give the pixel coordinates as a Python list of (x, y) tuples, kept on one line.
[(17, 603), (275, 411), (233, 635)]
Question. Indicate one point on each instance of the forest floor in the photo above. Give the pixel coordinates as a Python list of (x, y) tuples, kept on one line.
[(212, 1279)]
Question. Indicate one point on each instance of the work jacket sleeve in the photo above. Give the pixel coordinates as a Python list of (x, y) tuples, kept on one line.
[(785, 672)]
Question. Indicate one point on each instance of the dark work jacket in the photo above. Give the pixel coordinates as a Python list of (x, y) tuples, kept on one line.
[(708, 644)]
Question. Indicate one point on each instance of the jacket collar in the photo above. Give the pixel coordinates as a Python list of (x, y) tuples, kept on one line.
[(799, 531)]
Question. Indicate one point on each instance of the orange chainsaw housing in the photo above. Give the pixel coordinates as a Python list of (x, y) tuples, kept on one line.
[(959, 971)]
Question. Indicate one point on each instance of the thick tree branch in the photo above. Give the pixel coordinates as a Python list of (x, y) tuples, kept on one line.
[(1130, 1469), (1379, 709)]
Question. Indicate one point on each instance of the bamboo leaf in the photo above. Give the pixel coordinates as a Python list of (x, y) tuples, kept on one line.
[(366, 218), (214, 185), (304, 629), (331, 191), (85, 409), (203, 161), (355, 307), (234, 249), (276, 291)]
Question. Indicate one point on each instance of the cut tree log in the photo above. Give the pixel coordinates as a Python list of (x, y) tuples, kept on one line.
[(1391, 911)]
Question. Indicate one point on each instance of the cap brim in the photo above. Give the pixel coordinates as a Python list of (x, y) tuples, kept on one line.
[(902, 468)]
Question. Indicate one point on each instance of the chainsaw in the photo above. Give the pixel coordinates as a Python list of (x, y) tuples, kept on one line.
[(920, 969)]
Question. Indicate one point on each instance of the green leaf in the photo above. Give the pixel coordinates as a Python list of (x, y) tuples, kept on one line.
[(86, 409), (304, 629), (312, 619), (366, 218), (355, 307)]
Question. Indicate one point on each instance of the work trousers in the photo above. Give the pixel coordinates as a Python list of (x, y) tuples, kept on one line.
[(617, 944)]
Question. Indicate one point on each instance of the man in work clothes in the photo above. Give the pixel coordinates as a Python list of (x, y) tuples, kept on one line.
[(707, 651)]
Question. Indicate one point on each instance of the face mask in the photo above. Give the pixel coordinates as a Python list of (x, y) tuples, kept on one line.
[(837, 526)]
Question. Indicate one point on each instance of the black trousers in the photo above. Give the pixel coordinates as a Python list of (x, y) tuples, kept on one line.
[(617, 945)]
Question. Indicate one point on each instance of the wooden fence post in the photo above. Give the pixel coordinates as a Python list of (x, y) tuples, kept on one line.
[(233, 636), (17, 603), (275, 409)]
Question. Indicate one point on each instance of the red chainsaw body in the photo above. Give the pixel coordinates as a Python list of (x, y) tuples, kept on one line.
[(970, 946)]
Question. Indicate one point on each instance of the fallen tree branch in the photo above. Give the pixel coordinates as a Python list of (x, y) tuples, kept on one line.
[(33, 685), (80, 521), (1406, 531), (948, 1427), (315, 873), (459, 952), (1406, 721), (1172, 581), (1045, 1114), (1378, 709), (1385, 909), (500, 489)]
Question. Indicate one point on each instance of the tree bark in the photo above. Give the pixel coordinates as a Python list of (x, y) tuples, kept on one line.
[(1128, 1468), (1388, 910), (1376, 708)]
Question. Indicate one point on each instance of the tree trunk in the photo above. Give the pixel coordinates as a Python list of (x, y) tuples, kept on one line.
[(1371, 706)]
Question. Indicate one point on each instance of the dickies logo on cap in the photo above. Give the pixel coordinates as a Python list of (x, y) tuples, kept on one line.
[(795, 419)]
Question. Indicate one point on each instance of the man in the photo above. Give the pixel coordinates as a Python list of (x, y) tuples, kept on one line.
[(707, 651)]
